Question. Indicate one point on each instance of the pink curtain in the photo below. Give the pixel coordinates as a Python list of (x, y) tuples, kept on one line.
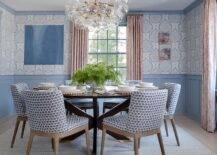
[(209, 66), (134, 46), (79, 47)]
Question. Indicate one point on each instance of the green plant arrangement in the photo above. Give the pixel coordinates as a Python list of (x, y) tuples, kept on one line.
[(96, 74)]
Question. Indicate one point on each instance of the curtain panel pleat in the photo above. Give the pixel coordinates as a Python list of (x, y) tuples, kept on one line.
[(209, 66), (79, 38), (134, 47)]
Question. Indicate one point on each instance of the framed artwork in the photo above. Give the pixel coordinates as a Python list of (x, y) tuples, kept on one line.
[(164, 54), (163, 38), (44, 45)]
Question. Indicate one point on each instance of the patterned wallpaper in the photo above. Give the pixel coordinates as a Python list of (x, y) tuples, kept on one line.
[(185, 33), (20, 68), (6, 42), (194, 40), (174, 24)]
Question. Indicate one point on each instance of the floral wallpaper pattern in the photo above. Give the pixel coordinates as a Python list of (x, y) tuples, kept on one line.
[(174, 25), (6, 42), (185, 33), (20, 68), (194, 40)]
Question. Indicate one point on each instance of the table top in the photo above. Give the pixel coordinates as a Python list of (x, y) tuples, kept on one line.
[(96, 95)]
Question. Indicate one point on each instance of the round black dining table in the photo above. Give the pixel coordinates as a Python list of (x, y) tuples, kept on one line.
[(95, 120)]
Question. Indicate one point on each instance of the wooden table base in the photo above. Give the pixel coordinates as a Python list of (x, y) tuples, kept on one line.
[(95, 121)]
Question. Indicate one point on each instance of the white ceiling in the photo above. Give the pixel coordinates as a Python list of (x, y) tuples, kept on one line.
[(134, 5)]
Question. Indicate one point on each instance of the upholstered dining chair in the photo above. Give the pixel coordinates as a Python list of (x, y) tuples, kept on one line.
[(173, 97), (145, 118), (16, 91), (47, 118)]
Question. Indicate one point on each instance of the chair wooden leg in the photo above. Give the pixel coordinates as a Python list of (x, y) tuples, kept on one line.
[(52, 143), (175, 131), (166, 127), (136, 148), (103, 141), (139, 142), (15, 132), (87, 140), (29, 145), (161, 143), (56, 145), (23, 128)]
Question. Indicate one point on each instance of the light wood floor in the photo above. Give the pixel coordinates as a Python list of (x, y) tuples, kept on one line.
[(194, 141)]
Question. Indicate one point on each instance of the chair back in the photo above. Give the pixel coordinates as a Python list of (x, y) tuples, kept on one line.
[(146, 110), (173, 96), (46, 111), (17, 95)]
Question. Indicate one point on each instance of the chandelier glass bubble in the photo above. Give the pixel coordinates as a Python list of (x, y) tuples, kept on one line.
[(96, 14)]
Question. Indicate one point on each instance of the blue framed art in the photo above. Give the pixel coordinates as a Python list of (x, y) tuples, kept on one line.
[(44, 45)]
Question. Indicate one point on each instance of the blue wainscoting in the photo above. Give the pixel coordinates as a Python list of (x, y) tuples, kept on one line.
[(190, 97), (159, 79), (6, 105), (193, 96), (34, 80), (189, 102)]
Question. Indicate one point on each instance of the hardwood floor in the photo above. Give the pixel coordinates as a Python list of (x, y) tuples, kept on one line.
[(208, 139), (193, 140)]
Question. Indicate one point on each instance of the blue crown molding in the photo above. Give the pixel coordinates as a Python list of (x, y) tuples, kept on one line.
[(40, 13), (185, 11), (170, 12), (192, 6), (7, 8)]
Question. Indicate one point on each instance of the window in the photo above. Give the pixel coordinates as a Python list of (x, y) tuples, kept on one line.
[(109, 46)]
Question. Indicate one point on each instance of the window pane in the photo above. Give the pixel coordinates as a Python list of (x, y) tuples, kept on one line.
[(102, 46), (93, 46), (102, 35), (122, 46), (122, 60), (112, 60), (112, 33), (122, 31), (102, 58), (112, 41), (112, 47), (92, 35), (123, 73), (92, 58)]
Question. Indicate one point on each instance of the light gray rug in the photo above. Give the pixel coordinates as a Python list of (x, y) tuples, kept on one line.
[(149, 145)]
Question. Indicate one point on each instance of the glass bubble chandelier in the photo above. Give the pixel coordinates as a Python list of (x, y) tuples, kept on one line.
[(96, 14)]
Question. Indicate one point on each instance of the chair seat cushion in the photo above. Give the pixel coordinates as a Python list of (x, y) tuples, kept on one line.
[(75, 121), (118, 121)]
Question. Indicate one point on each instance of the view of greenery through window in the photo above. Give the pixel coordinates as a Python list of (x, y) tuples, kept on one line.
[(109, 46)]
